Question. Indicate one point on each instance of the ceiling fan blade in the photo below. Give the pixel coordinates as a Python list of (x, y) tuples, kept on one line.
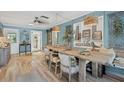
[(45, 17), (39, 21)]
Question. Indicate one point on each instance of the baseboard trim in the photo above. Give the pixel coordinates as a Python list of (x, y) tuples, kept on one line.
[(114, 77)]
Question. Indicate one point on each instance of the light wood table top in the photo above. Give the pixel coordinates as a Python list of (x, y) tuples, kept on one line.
[(93, 56)]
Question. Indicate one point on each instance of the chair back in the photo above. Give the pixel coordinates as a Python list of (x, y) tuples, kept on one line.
[(46, 51), (65, 59), (109, 52)]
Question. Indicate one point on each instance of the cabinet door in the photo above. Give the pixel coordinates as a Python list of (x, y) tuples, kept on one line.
[(2, 57), (22, 48), (7, 55), (28, 48)]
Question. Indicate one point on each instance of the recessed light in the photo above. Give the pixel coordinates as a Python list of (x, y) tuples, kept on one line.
[(31, 24)]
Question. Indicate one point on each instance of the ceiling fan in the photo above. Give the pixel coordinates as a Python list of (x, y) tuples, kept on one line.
[(41, 20)]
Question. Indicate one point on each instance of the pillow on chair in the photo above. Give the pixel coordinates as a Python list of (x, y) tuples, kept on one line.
[(109, 52)]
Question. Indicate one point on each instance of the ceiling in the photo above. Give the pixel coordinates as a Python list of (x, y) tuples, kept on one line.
[(24, 18)]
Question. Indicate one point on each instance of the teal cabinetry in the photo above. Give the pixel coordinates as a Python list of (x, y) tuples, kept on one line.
[(4, 56)]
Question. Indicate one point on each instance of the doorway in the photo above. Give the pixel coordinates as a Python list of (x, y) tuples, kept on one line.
[(36, 42)]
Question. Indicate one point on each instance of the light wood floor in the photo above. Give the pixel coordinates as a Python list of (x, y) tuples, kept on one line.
[(33, 68)]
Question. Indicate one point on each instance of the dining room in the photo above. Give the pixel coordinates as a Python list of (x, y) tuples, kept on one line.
[(92, 46), (62, 46), (51, 46)]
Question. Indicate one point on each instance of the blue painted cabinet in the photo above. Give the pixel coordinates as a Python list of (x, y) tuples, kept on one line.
[(4, 56), (24, 48), (114, 71)]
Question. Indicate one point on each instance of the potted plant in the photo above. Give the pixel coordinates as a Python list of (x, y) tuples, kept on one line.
[(67, 38), (117, 27)]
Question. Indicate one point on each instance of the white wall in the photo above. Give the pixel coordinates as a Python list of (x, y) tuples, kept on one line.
[(14, 46)]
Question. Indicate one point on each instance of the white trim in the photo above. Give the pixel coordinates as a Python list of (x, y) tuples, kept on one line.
[(102, 31)]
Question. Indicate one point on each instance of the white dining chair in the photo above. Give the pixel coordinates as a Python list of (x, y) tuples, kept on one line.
[(97, 69), (110, 52), (47, 55), (68, 65)]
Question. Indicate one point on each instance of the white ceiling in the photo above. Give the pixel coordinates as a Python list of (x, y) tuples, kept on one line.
[(24, 18)]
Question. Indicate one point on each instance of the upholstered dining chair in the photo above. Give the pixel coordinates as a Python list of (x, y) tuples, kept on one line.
[(68, 65), (97, 69), (110, 52)]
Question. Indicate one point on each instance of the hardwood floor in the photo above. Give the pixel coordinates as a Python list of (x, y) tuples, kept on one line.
[(32, 68)]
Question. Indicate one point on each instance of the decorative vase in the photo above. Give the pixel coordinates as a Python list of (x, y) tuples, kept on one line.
[(69, 46)]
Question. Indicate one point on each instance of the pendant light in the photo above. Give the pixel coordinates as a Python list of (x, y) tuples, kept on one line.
[(56, 28), (90, 20)]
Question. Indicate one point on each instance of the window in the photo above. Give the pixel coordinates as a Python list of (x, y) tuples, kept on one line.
[(12, 37)]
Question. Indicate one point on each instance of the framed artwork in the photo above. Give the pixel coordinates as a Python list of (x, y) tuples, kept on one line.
[(94, 28), (49, 37), (97, 35), (77, 31), (77, 34), (12, 37), (86, 33)]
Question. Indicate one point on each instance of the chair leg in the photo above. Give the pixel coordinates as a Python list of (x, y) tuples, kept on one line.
[(69, 77), (56, 69), (60, 74), (46, 61), (49, 65)]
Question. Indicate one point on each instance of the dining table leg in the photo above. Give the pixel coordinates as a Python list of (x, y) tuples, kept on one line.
[(49, 65), (82, 70), (94, 69)]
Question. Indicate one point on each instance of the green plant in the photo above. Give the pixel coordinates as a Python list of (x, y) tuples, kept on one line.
[(117, 27), (14, 39), (24, 42), (68, 36)]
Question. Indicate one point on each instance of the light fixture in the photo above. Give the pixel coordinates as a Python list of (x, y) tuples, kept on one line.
[(90, 20), (56, 28), (30, 24)]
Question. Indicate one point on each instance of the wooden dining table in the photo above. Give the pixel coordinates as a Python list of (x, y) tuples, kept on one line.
[(93, 56)]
